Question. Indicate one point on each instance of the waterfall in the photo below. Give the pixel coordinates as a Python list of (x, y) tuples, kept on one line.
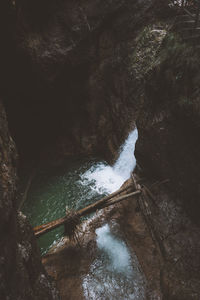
[(103, 178), (106, 179), (115, 249), (126, 162), (115, 273)]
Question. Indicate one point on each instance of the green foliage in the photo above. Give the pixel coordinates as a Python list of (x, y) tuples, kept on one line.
[(144, 55)]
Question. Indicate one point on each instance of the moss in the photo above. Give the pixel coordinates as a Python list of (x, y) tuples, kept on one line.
[(174, 80), (142, 60), (179, 68)]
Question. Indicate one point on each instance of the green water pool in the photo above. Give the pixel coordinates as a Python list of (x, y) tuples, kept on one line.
[(55, 188)]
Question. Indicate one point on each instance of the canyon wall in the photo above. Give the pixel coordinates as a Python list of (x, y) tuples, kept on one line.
[(75, 91), (169, 121), (168, 149), (74, 78), (21, 272), (64, 81)]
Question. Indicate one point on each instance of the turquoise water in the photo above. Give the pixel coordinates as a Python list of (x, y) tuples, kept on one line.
[(55, 188), (75, 184), (115, 272)]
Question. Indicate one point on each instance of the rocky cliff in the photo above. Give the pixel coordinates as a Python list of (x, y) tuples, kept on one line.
[(74, 78), (74, 89), (21, 272), (67, 87), (168, 148), (169, 124), (162, 229)]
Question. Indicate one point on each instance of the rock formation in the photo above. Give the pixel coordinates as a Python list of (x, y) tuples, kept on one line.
[(74, 89), (75, 75), (21, 272)]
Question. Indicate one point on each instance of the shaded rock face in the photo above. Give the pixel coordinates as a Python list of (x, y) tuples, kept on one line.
[(169, 125), (166, 243), (21, 272), (79, 90), (74, 92), (168, 148)]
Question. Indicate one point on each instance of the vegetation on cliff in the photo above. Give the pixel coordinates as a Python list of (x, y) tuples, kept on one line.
[(74, 78)]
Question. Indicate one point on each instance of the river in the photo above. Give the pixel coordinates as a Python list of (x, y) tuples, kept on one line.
[(115, 272)]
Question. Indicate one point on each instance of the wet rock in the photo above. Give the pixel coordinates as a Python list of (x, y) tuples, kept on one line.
[(79, 90), (67, 262), (168, 148), (169, 125), (20, 264), (75, 91)]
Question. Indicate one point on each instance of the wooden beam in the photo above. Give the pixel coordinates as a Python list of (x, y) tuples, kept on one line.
[(119, 199), (41, 229)]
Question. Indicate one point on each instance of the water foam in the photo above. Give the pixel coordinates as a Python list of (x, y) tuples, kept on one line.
[(115, 273), (107, 179), (115, 249), (126, 162)]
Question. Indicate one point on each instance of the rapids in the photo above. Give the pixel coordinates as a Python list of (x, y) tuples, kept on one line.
[(115, 272)]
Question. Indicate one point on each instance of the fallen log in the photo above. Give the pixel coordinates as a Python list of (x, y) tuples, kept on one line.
[(119, 199), (90, 208), (69, 220), (39, 230), (134, 181), (158, 183)]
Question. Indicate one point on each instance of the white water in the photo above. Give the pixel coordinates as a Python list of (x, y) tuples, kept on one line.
[(106, 179), (115, 249), (115, 273)]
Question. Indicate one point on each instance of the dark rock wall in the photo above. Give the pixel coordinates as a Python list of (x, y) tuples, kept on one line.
[(21, 272), (64, 78), (74, 78), (168, 148), (169, 145), (74, 91)]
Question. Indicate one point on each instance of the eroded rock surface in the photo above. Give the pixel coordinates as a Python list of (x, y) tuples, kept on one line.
[(81, 73), (21, 272), (168, 148), (75, 91)]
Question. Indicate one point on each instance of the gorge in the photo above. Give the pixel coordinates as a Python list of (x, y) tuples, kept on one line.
[(75, 79)]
